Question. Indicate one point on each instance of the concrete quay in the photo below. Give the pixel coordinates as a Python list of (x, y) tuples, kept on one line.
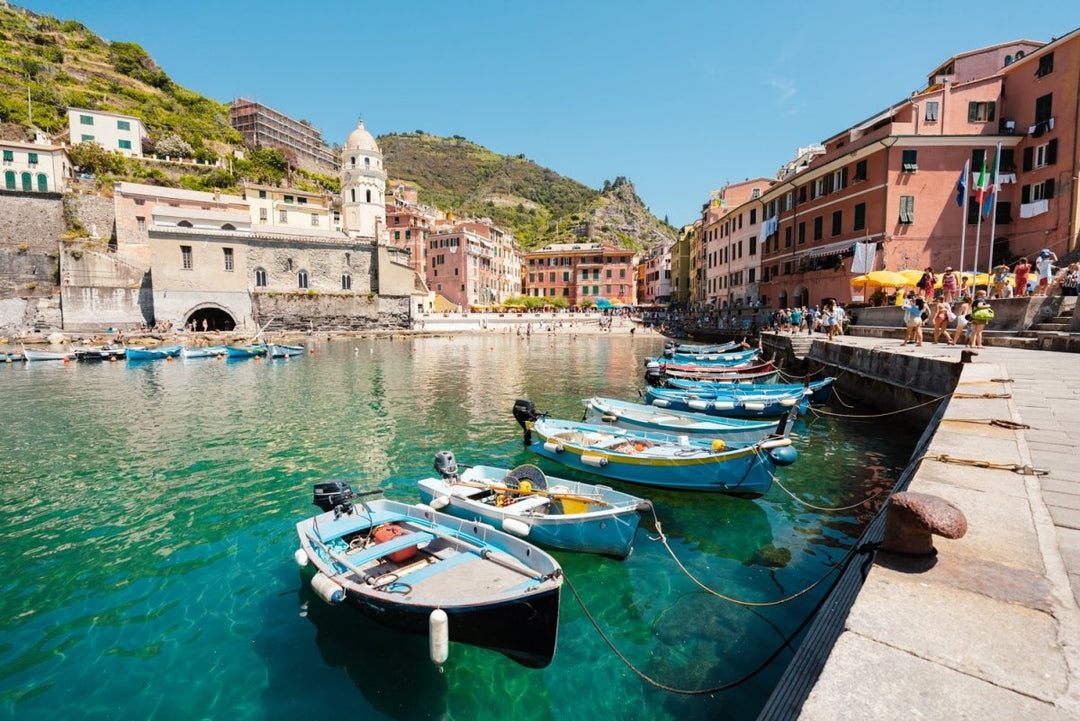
[(989, 628)]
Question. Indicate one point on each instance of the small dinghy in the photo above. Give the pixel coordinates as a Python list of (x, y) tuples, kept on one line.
[(549, 511), (212, 351), (637, 416), (424, 572), (278, 350)]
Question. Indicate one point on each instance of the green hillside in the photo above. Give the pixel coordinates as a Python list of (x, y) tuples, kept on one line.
[(540, 205), (64, 64)]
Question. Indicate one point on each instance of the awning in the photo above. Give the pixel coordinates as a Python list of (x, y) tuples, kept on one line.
[(836, 248)]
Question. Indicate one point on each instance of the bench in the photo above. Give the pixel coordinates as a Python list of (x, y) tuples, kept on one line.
[(378, 550)]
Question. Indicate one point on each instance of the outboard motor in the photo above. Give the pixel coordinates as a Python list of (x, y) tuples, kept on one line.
[(331, 494), (446, 465), (525, 413)]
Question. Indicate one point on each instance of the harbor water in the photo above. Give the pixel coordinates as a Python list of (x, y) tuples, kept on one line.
[(147, 515)]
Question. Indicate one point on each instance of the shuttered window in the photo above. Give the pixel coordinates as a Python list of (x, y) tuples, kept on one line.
[(907, 209)]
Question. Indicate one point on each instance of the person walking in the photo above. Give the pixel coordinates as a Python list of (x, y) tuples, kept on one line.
[(981, 314), (949, 285), (1072, 277), (927, 283), (1020, 279), (913, 320), (1001, 279), (941, 314), (1044, 265), (962, 319)]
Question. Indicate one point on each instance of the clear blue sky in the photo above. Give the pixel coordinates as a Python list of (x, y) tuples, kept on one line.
[(679, 97)]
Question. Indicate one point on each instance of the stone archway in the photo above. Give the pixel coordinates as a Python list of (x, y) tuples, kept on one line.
[(801, 297), (211, 317)]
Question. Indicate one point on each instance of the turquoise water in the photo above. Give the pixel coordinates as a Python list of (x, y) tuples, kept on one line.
[(147, 511)]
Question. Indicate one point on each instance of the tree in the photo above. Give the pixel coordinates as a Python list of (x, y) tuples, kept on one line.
[(173, 146), (90, 157)]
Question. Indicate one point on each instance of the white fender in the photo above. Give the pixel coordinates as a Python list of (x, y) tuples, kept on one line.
[(724, 405), (327, 589), (754, 406), (593, 460), (516, 526), (300, 557), (698, 405), (439, 635), (552, 447), (775, 443), (439, 502)]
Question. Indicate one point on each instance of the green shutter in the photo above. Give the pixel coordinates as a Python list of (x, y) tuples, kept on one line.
[(9, 155), (990, 111), (973, 110)]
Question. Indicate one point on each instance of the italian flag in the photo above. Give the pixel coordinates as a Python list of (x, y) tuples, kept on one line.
[(982, 186)]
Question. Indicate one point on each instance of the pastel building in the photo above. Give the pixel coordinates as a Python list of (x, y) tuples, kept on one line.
[(34, 167), (112, 131), (580, 271), (473, 263), (883, 194), (291, 208), (408, 223), (730, 261), (657, 276)]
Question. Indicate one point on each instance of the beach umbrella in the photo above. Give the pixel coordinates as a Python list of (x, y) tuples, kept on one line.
[(912, 275), (887, 279)]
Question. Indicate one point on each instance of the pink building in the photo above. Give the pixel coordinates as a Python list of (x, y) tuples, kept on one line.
[(473, 263), (408, 224), (729, 261)]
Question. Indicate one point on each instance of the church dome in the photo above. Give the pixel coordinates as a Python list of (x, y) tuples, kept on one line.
[(361, 139)]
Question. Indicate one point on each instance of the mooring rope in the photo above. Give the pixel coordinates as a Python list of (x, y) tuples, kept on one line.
[(1024, 470), (999, 422), (878, 415), (825, 508), (724, 686), (752, 604)]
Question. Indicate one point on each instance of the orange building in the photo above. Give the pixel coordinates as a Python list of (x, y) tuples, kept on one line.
[(886, 188), (580, 271), (408, 224)]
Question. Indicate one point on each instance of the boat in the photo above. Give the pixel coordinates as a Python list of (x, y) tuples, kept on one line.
[(664, 460), (45, 355), (246, 351), (548, 511), (650, 418), (736, 404), (277, 350), (819, 389), (694, 348), (100, 352), (656, 373), (707, 360), (141, 353), (420, 571), (212, 351)]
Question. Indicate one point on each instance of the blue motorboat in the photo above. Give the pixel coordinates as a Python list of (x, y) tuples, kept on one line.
[(247, 351), (707, 360), (819, 389), (650, 418), (140, 353), (549, 511), (657, 459), (420, 571), (733, 404)]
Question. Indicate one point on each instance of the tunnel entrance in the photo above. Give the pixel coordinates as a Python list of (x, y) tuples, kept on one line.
[(207, 319)]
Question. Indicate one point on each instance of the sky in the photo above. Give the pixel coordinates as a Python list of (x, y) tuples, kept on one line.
[(679, 97)]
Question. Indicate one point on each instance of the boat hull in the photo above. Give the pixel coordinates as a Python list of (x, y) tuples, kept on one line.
[(284, 351), (253, 351), (819, 390), (730, 405), (638, 416), (498, 591), (139, 354), (46, 355), (608, 530), (690, 464), (100, 353), (214, 351)]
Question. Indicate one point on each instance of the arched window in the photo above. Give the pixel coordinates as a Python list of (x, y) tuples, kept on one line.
[(367, 162), (260, 278), (354, 161), (184, 224), (228, 226), (27, 182), (353, 192), (346, 281), (301, 279), (9, 180), (42, 183), (369, 196)]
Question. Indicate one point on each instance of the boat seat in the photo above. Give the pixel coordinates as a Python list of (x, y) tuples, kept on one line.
[(378, 550), (467, 491), (529, 503)]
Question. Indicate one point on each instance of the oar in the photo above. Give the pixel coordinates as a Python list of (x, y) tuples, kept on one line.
[(534, 492)]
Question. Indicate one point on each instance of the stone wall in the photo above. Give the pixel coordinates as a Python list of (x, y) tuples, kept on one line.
[(101, 291), (96, 214), (27, 272), (34, 220), (340, 311)]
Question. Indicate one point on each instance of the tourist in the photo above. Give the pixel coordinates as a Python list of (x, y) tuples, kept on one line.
[(1045, 267), (913, 319), (1001, 280), (1072, 275), (962, 319), (981, 314), (927, 283), (942, 313), (811, 318), (1020, 279), (949, 285)]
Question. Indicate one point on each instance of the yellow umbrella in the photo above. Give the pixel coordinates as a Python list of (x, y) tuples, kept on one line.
[(913, 276), (888, 279)]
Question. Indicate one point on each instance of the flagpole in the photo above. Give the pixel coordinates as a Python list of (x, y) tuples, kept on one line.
[(993, 213), (963, 216)]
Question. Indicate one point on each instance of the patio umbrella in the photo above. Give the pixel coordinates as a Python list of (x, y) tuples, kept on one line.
[(913, 275), (885, 279)]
